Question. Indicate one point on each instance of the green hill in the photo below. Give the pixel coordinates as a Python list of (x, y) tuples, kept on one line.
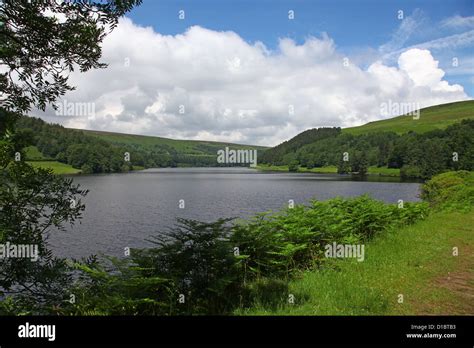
[(106, 152), (431, 118), (188, 147), (440, 139)]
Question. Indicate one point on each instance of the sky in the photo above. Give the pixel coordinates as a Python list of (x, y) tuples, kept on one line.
[(262, 71)]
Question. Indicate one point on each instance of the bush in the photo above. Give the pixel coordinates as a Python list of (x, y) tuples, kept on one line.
[(410, 171), (279, 244), (293, 166), (451, 190), (86, 169), (192, 269), (117, 287)]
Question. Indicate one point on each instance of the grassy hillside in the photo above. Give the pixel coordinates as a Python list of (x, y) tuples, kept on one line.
[(431, 118), (189, 147)]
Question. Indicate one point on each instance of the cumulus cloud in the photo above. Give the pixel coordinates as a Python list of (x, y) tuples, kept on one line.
[(212, 85), (423, 70)]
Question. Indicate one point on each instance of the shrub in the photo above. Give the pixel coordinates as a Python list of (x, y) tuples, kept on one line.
[(293, 166), (410, 171), (191, 269), (118, 287), (279, 244), (451, 190)]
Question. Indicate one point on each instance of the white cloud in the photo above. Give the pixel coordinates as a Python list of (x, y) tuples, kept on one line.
[(235, 91), (458, 22), (406, 29), (455, 41), (423, 70)]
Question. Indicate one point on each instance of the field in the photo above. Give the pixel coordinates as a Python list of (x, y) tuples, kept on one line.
[(57, 167), (33, 154), (434, 117)]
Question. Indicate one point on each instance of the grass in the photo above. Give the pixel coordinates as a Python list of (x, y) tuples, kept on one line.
[(434, 117), (33, 154), (416, 262), (38, 160), (57, 167), (373, 170)]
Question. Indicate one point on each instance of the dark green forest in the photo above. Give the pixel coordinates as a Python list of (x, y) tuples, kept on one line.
[(92, 154), (417, 155)]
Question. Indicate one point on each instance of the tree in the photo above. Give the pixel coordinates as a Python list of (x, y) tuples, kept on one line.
[(293, 166), (435, 157), (343, 167), (32, 201), (38, 51), (359, 163)]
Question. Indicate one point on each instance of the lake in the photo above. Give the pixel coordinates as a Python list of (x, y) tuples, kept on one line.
[(122, 210)]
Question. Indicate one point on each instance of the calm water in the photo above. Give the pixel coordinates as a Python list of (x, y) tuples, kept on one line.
[(122, 210)]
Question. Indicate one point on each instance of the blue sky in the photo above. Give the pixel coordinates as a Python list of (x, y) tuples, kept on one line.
[(349, 22), (355, 26)]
